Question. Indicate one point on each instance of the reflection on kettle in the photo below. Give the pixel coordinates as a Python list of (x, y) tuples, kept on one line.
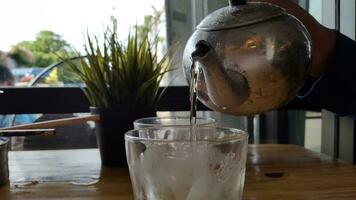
[(251, 58)]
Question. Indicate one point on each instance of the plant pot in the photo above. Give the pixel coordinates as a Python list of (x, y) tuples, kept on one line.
[(110, 130)]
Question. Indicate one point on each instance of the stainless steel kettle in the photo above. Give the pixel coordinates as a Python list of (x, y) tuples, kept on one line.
[(251, 58)]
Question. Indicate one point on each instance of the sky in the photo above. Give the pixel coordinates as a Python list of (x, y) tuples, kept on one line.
[(23, 19)]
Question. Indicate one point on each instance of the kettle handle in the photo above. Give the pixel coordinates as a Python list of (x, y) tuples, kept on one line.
[(237, 2)]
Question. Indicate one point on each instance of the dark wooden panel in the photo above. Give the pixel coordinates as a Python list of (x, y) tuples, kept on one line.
[(42, 100), (177, 99), (71, 100)]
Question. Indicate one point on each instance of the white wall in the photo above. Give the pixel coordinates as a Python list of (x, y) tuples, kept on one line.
[(328, 13), (315, 9), (347, 16)]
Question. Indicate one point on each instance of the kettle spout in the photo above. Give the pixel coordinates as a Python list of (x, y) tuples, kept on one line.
[(223, 92)]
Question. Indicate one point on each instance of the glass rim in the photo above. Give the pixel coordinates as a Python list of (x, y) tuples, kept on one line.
[(240, 136), (140, 123)]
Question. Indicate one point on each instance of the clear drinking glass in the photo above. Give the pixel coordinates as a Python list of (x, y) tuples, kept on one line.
[(171, 121), (164, 164)]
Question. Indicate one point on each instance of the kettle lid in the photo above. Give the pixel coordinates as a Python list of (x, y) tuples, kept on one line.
[(240, 15)]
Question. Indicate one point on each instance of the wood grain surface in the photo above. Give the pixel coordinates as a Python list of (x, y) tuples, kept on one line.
[(274, 172)]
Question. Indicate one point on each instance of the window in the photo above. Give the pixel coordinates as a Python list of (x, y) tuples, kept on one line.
[(32, 31)]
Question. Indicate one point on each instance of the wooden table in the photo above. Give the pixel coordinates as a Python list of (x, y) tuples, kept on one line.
[(274, 172)]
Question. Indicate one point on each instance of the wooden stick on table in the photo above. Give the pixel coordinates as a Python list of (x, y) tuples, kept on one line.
[(55, 123)]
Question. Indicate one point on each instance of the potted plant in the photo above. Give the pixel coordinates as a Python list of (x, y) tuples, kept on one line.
[(122, 84)]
